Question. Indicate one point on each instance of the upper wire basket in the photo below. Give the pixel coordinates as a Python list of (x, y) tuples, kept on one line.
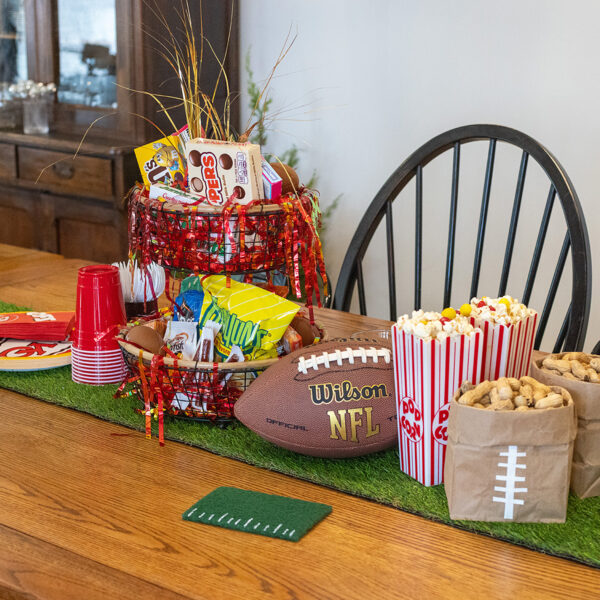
[(234, 239)]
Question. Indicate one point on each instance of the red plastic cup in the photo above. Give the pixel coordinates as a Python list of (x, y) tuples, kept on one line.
[(100, 310)]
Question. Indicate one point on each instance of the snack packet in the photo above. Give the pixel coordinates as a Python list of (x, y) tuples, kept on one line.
[(181, 337), (206, 347), (188, 305), (251, 318)]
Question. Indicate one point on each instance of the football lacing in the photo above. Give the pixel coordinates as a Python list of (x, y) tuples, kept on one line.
[(338, 356)]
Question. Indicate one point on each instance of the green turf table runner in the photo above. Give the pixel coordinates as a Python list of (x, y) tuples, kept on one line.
[(255, 512), (375, 476)]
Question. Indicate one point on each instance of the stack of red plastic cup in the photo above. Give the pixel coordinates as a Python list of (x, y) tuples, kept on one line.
[(96, 356)]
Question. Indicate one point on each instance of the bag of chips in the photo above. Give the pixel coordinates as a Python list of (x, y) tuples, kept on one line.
[(250, 317)]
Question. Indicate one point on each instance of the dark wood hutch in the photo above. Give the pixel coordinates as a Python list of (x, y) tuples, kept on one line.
[(75, 207)]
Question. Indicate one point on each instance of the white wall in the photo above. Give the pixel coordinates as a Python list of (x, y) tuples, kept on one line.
[(369, 82)]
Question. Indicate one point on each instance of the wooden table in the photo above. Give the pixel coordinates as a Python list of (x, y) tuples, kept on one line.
[(92, 510)]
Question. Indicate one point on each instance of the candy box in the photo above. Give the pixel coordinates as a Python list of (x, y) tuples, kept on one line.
[(220, 172), (585, 474), (171, 194), (509, 466), (160, 162), (427, 373), (272, 183)]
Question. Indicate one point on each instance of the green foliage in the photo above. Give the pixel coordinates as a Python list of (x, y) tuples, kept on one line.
[(259, 108)]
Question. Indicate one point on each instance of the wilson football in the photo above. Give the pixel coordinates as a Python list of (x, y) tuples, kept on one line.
[(335, 400)]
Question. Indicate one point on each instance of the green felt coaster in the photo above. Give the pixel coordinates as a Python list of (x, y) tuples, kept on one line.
[(255, 512)]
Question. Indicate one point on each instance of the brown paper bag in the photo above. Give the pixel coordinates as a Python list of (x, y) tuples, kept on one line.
[(585, 474), (509, 466)]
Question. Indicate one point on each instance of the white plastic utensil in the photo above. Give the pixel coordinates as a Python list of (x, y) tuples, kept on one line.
[(139, 288)]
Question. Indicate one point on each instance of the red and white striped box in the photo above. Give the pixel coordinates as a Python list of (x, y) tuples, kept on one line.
[(506, 348), (427, 373)]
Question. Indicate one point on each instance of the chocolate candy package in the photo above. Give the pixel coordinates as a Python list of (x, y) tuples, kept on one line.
[(220, 172), (160, 162)]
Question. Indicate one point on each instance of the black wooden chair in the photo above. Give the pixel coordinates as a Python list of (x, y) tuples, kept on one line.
[(573, 329)]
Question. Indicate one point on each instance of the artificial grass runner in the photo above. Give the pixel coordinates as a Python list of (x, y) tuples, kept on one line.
[(375, 476)]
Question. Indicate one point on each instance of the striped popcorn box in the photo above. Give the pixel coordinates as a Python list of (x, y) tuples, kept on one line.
[(427, 373), (508, 336)]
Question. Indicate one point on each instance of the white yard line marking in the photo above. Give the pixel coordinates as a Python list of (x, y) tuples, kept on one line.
[(237, 521), (266, 527), (192, 511), (276, 528), (248, 522), (211, 516), (222, 517), (285, 531), (229, 520), (257, 525), (292, 532), (201, 515)]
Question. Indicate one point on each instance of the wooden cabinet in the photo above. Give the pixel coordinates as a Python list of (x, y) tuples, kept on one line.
[(52, 201)]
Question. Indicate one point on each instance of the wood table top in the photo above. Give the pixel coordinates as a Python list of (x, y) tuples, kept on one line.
[(93, 510)]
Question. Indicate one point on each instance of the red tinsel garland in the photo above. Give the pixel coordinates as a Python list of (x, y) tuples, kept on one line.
[(240, 239)]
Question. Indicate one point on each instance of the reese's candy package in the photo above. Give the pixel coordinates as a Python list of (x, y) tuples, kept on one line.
[(251, 318), (160, 162)]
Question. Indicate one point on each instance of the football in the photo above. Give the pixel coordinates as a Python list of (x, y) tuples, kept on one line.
[(335, 399)]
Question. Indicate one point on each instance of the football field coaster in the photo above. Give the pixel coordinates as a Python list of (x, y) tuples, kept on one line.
[(376, 476), (255, 512)]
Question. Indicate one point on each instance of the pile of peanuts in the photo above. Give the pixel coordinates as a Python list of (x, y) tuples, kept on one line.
[(574, 365), (508, 393)]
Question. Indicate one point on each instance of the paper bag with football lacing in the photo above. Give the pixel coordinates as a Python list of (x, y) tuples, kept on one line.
[(509, 466), (585, 474)]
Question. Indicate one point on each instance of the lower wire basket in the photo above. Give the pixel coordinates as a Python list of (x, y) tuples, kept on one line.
[(186, 389)]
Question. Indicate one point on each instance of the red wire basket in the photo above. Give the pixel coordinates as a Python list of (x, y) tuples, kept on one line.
[(186, 389), (235, 239)]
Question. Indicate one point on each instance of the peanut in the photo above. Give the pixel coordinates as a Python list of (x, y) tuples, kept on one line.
[(570, 376), (580, 356), (527, 391), (593, 376), (595, 364), (478, 405), (465, 386), (503, 405), (522, 408), (485, 400), (514, 383), (550, 401), (457, 395), (579, 370), (505, 392), (558, 365), (495, 396), (520, 401), (539, 389), (470, 397), (554, 372)]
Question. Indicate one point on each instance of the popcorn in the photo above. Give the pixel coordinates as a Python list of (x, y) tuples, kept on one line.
[(433, 325), (504, 311)]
